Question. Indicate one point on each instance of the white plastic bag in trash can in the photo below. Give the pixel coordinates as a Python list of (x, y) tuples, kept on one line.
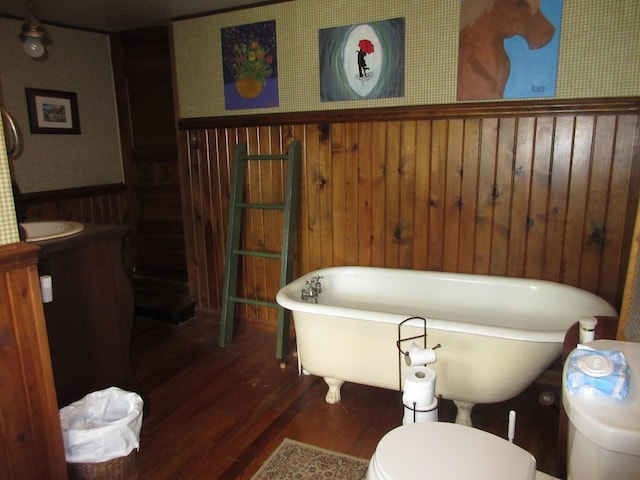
[(101, 426)]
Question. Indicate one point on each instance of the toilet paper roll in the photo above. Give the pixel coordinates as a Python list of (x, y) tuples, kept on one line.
[(46, 288), (420, 356), (421, 415), (419, 386)]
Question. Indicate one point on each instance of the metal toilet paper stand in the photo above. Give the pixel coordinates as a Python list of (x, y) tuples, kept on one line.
[(402, 355)]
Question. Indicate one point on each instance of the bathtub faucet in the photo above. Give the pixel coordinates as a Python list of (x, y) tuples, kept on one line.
[(314, 288)]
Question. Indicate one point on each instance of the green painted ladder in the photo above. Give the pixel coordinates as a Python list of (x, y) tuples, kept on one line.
[(234, 252)]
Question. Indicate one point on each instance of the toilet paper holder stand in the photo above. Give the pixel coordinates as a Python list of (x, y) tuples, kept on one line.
[(402, 354)]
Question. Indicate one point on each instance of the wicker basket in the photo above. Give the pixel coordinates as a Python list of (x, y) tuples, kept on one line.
[(122, 468)]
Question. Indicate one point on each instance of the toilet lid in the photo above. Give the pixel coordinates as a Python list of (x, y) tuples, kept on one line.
[(448, 451)]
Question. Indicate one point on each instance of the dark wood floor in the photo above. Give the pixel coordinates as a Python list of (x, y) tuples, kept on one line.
[(219, 413)]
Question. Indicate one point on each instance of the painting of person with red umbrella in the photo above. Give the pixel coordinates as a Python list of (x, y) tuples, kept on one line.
[(362, 61), (365, 47)]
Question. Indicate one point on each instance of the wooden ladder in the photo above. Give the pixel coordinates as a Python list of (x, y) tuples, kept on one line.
[(233, 247)]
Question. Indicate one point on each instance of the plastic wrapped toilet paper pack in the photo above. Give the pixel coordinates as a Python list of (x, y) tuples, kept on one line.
[(597, 372)]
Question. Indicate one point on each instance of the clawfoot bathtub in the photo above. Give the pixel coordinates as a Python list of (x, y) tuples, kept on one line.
[(498, 334)]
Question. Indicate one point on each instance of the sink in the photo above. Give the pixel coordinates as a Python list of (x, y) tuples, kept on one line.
[(50, 229)]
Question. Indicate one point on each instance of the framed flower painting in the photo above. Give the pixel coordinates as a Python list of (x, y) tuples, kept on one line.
[(250, 66)]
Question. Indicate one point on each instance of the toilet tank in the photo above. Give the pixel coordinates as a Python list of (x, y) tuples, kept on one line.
[(604, 432)]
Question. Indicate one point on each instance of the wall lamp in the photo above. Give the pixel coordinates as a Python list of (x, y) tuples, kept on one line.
[(33, 35)]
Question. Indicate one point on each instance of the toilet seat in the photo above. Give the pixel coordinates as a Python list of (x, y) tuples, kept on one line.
[(448, 451)]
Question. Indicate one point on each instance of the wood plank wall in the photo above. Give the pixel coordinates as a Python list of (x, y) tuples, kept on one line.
[(542, 190), (106, 204), (97, 204)]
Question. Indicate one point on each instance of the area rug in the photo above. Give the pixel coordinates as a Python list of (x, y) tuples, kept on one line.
[(300, 461)]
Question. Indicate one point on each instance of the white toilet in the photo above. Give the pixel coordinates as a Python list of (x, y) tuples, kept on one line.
[(604, 432), (603, 444), (448, 451)]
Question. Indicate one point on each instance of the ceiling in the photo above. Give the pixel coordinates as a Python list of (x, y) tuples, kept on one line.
[(116, 15)]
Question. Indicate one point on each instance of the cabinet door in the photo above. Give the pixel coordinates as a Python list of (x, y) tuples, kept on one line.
[(90, 319)]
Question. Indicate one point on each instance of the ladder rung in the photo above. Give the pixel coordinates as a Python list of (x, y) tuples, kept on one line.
[(265, 157), (254, 302), (249, 253), (264, 206)]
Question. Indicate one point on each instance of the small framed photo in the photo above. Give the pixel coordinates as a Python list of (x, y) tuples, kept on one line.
[(51, 111)]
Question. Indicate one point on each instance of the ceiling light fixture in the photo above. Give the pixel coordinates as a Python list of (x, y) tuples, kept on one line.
[(33, 35)]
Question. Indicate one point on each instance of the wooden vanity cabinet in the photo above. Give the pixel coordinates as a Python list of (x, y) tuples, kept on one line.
[(90, 319)]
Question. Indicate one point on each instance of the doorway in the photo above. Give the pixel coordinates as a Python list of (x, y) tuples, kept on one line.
[(142, 71)]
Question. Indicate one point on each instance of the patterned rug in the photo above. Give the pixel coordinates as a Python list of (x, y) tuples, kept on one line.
[(300, 461)]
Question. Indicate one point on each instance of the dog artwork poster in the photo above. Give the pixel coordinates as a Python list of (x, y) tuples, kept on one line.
[(508, 49), (362, 61)]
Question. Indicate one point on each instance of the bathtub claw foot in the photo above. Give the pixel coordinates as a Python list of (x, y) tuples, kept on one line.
[(333, 395), (463, 417)]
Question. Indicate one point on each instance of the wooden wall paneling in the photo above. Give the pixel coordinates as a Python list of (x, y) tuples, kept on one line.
[(469, 170), (599, 180), (186, 140), (502, 194), (90, 205), (486, 196), (438, 220), (378, 194), (537, 195), (309, 212), (351, 193), (273, 192), (521, 187), (539, 201), (324, 240), (265, 180), (252, 232), (407, 197), (453, 195), (578, 184), (364, 186), (620, 215), (338, 196), (221, 149), (198, 161), (421, 191), (557, 212), (310, 197), (217, 202), (393, 228)]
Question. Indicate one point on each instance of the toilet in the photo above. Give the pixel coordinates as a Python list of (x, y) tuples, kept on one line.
[(604, 432), (603, 443), (449, 451)]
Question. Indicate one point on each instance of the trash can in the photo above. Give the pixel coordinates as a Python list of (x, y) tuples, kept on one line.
[(101, 434)]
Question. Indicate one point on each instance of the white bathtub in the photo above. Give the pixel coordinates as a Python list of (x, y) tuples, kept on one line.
[(498, 334)]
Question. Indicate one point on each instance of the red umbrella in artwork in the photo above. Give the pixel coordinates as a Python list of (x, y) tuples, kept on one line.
[(366, 46)]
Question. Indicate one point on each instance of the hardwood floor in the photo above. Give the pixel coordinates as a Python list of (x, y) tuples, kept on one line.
[(213, 413)]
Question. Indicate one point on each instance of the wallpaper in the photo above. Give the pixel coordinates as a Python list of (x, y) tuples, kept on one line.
[(77, 61), (8, 226), (599, 52)]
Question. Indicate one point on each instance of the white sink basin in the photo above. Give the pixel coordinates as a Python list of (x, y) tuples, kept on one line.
[(49, 230)]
